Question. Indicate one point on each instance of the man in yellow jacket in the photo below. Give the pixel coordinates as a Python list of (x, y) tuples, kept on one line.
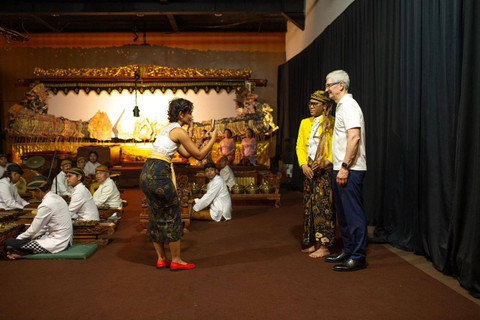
[(314, 153)]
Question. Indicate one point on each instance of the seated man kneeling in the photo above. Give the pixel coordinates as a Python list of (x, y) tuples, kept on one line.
[(217, 197), (51, 230)]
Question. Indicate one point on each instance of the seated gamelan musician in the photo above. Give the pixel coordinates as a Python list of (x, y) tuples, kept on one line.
[(51, 230), (3, 164), (81, 162), (226, 172), (59, 184), (107, 195), (9, 197), (92, 163), (82, 206), (216, 203)]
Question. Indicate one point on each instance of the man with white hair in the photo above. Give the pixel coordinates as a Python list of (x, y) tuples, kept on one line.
[(349, 168), (107, 194)]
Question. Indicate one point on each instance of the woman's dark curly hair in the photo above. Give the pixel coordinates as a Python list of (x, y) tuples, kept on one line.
[(229, 131), (176, 106)]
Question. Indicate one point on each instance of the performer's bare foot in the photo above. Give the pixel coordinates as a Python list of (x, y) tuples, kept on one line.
[(309, 249), (13, 256), (322, 252)]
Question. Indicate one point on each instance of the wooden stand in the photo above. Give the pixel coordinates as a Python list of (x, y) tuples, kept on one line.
[(99, 233)]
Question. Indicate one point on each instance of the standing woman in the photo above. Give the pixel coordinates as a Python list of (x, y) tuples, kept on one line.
[(249, 148), (227, 146), (158, 184), (314, 153)]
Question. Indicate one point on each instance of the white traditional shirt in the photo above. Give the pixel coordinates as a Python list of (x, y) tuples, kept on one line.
[(82, 206), (107, 194), (218, 198), (314, 138), (228, 176), (53, 224), (2, 170), (60, 186), (90, 168), (9, 197)]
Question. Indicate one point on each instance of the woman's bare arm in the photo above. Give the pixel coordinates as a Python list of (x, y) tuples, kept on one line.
[(188, 148)]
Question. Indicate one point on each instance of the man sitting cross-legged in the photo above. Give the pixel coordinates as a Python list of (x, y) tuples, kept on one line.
[(51, 230)]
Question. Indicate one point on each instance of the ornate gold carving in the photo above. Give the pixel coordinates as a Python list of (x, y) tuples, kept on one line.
[(145, 72), (142, 78)]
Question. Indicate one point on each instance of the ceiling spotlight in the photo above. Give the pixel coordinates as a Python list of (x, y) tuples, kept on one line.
[(217, 14)]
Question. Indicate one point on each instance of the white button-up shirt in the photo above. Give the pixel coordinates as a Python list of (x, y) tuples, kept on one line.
[(60, 186), (228, 176), (82, 206), (218, 198), (9, 197), (53, 224), (107, 194)]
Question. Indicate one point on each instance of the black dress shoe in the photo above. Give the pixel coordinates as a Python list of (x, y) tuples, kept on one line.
[(342, 256), (350, 265)]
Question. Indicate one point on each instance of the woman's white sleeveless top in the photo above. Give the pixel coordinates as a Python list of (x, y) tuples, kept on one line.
[(163, 144)]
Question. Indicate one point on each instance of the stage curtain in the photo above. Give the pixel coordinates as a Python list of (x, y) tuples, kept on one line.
[(414, 69), (464, 233)]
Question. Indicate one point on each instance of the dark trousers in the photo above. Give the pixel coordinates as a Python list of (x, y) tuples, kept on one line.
[(351, 214), (16, 244)]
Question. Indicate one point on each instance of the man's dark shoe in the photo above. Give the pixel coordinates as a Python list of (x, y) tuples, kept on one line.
[(350, 265), (342, 256)]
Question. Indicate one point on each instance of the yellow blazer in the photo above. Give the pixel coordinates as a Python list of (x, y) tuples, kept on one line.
[(303, 136)]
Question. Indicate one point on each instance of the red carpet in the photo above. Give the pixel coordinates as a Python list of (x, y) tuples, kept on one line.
[(248, 268)]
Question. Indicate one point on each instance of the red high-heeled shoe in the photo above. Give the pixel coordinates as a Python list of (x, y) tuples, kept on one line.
[(163, 264), (174, 266)]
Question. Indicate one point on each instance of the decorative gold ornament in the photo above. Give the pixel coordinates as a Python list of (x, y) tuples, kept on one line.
[(146, 72)]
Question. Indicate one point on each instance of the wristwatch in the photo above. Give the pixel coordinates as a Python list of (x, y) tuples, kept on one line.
[(345, 165)]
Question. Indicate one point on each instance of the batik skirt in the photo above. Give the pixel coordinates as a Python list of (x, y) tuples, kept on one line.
[(165, 222), (319, 214)]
